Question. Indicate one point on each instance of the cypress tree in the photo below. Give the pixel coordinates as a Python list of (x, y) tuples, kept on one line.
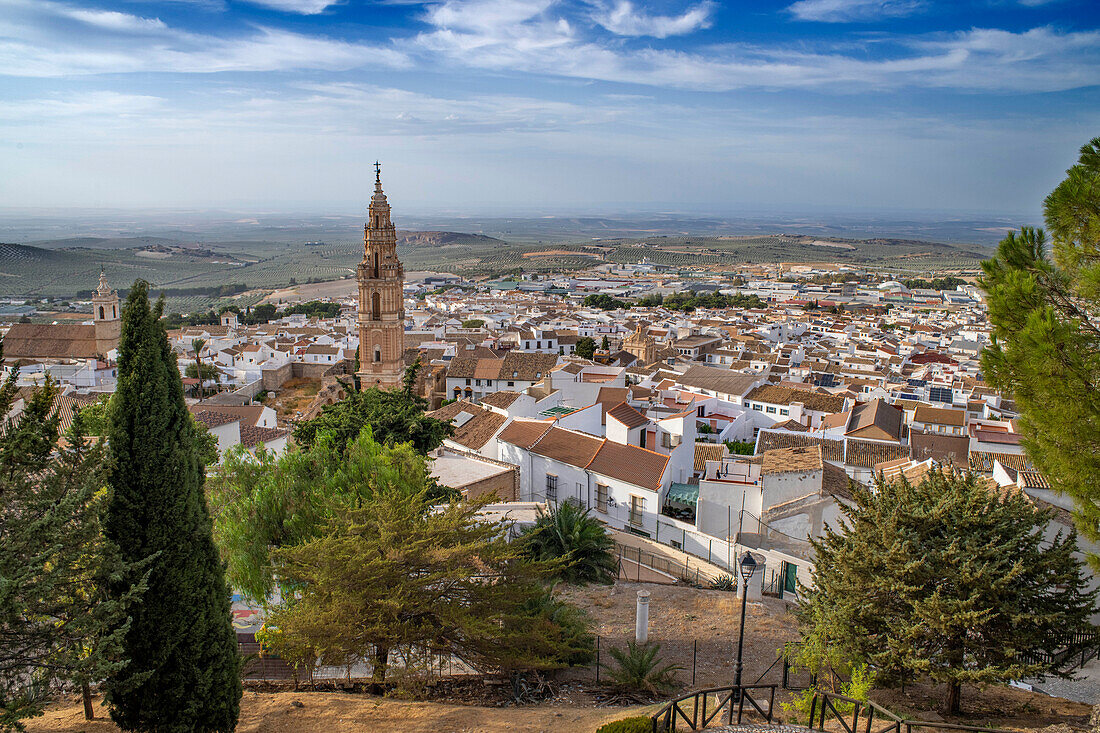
[(183, 671)]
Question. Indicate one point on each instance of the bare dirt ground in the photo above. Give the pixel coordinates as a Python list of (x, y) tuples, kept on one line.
[(293, 397), (678, 616), (312, 291), (336, 712)]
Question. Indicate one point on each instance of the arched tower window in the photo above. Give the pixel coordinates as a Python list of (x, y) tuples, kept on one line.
[(114, 311), (378, 353), (376, 264), (101, 313), (376, 307)]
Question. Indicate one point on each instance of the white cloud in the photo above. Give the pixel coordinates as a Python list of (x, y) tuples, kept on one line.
[(305, 7), (625, 20), (528, 37), (843, 11), (114, 21), (79, 106), (33, 43)]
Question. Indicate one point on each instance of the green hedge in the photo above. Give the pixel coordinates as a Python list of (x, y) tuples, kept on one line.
[(639, 724)]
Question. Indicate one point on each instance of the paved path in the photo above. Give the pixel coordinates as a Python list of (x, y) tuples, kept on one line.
[(1085, 689)]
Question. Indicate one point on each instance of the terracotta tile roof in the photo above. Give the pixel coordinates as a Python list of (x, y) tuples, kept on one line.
[(707, 452), (249, 414), (568, 446), (524, 433), (875, 420), (789, 460), (717, 380), (502, 399), (792, 425), (627, 415), (477, 430), (631, 464), (866, 454), (835, 482), (832, 450), (252, 435), (776, 395), (50, 341), (982, 462), (951, 450), (213, 418), (939, 415)]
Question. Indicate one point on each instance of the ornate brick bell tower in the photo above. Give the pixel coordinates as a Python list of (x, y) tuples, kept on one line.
[(381, 303)]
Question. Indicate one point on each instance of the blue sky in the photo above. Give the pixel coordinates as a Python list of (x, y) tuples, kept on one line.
[(546, 105)]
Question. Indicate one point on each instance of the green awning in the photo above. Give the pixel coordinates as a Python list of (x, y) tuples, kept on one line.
[(683, 494)]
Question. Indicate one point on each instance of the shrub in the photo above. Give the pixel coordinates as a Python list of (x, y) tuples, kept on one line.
[(724, 582), (639, 668), (567, 533), (637, 724)]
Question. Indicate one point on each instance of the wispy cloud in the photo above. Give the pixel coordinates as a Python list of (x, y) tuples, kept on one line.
[(38, 39), (844, 11), (530, 37), (304, 7), (624, 19)]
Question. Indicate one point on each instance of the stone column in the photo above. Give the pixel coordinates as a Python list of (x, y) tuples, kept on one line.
[(641, 625)]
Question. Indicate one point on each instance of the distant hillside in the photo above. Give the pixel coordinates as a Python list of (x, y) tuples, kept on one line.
[(106, 242), (444, 238)]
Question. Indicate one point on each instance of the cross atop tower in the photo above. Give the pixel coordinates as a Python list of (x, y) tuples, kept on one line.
[(377, 172)]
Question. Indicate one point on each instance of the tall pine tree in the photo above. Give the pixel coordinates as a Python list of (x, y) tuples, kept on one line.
[(1044, 305), (183, 671), (949, 580)]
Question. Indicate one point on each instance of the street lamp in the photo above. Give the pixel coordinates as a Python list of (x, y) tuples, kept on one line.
[(748, 567)]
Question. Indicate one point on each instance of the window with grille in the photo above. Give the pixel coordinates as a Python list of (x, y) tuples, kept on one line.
[(551, 487), (601, 498)]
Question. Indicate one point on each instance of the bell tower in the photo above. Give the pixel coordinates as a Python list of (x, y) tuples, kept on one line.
[(105, 317), (381, 298)]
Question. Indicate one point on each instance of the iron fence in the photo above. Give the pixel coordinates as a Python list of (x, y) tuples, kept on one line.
[(861, 716), (732, 700)]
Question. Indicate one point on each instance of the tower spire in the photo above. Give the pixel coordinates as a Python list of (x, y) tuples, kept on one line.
[(377, 176)]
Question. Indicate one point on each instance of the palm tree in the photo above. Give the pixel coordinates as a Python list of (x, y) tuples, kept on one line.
[(197, 345), (638, 668), (568, 534)]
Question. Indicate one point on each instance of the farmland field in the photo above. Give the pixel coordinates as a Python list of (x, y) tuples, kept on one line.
[(194, 267)]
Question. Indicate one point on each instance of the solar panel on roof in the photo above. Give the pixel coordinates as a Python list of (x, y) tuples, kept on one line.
[(916, 382), (908, 396), (941, 394)]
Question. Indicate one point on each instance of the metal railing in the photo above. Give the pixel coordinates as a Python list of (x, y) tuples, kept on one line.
[(1077, 650), (731, 700), (661, 563), (865, 714)]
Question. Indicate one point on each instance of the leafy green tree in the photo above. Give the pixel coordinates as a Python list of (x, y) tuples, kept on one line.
[(1045, 311), (395, 575), (209, 371), (949, 579), (394, 415), (183, 665), (603, 301), (473, 323), (569, 535), (267, 502), (55, 619), (586, 347), (605, 344)]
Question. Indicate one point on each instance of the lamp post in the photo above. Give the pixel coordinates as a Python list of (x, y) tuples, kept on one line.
[(748, 567)]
